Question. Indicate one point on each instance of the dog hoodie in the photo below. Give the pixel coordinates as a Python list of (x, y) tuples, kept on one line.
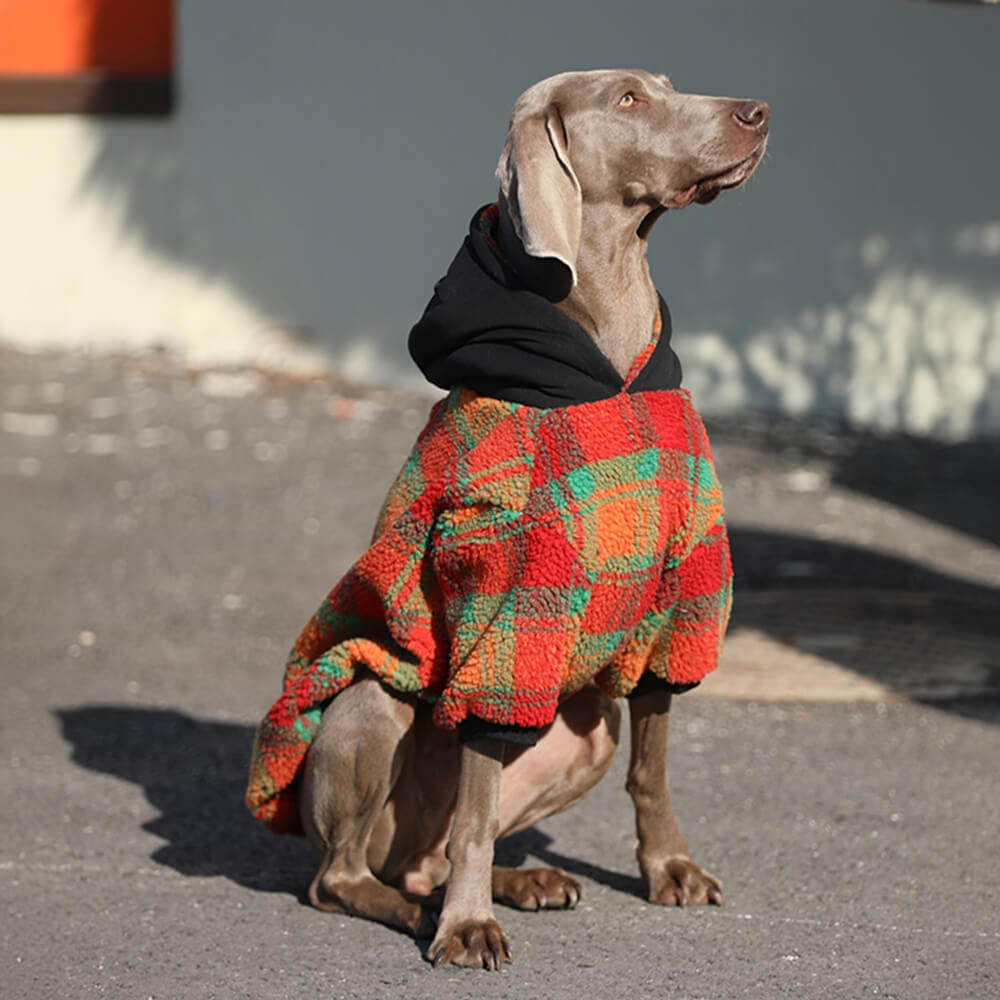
[(555, 525)]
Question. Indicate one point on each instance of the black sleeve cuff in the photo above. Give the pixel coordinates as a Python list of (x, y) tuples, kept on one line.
[(473, 728), (651, 682)]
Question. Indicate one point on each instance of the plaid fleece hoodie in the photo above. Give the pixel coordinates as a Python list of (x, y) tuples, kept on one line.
[(522, 552)]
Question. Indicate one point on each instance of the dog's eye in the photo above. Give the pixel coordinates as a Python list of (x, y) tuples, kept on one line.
[(627, 100)]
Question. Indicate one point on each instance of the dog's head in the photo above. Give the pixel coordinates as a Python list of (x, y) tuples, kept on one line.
[(624, 138)]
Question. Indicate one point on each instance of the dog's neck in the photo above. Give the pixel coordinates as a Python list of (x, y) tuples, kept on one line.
[(614, 300)]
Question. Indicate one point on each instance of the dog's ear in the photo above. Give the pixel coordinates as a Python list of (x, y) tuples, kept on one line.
[(542, 191)]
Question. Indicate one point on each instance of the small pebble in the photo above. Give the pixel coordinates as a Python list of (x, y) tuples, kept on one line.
[(30, 424), (276, 409), (103, 407), (52, 393), (217, 439), (101, 444), (230, 385)]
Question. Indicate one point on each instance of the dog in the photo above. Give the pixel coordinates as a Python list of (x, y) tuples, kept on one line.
[(555, 540)]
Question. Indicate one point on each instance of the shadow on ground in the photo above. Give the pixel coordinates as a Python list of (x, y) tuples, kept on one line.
[(922, 635), (765, 560), (194, 772), (531, 846), (953, 483), (956, 484), (907, 619)]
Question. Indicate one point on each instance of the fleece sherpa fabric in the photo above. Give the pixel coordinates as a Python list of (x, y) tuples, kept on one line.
[(524, 550), (520, 554)]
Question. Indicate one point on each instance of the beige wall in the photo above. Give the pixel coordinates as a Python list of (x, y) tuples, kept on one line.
[(77, 273), (324, 161)]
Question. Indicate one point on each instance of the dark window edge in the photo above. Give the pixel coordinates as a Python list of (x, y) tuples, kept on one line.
[(93, 92)]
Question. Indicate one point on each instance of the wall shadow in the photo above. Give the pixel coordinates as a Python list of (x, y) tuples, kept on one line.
[(954, 483), (764, 560), (925, 635), (194, 772)]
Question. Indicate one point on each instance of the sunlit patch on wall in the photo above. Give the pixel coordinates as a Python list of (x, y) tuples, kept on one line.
[(917, 351), (983, 239)]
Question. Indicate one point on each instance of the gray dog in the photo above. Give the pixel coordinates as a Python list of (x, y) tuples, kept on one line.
[(529, 567)]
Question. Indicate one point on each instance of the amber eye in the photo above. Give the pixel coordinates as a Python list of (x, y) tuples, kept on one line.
[(627, 100)]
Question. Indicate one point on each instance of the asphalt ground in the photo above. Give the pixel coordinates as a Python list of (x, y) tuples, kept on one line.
[(164, 536)]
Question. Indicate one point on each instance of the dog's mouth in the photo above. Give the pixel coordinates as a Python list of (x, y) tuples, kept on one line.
[(709, 188)]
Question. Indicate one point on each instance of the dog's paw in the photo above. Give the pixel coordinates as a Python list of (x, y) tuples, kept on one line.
[(536, 888), (678, 881), (474, 944)]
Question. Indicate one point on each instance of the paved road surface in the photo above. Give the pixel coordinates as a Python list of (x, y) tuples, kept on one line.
[(164, 535)]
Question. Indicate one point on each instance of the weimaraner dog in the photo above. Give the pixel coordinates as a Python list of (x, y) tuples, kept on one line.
[(398, 807)]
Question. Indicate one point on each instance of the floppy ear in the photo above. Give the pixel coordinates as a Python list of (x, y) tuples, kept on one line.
[(542, 192)]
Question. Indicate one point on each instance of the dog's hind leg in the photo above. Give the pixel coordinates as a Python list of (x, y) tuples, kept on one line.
[(349, 774)]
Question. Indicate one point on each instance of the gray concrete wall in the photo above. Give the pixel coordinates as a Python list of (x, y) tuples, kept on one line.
[(325, 160)]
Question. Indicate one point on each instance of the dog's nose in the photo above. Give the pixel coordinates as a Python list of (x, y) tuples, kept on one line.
[(753, 115)]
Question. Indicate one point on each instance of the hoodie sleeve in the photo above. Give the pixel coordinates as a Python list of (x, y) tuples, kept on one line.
[(679, 638)]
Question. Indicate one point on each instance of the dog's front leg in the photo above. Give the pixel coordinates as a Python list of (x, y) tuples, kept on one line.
[(671, 877), (467, 933)]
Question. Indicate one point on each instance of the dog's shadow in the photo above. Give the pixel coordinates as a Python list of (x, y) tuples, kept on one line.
[(524, 848), (194, 773)]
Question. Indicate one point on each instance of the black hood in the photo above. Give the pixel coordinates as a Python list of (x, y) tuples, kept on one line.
[(483, 330)]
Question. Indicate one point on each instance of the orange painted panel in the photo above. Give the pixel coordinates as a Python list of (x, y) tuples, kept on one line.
[(66, 36)]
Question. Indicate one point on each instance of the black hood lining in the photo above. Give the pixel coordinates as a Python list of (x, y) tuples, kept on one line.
[(484, 330)]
